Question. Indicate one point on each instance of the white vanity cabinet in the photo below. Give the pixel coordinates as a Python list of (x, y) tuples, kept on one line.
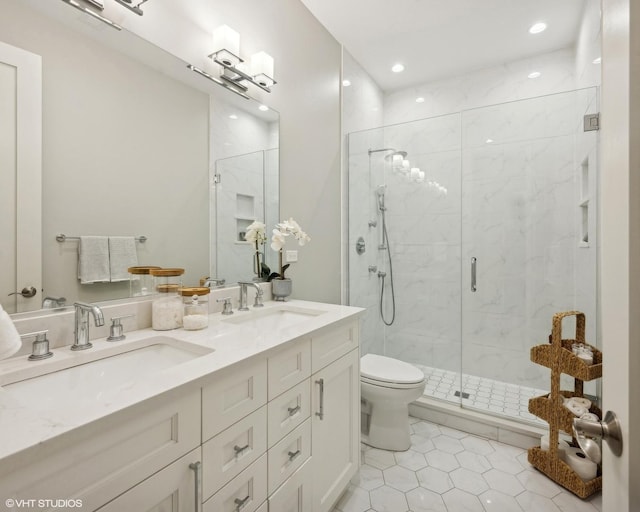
[(336, 413), (276, 432)]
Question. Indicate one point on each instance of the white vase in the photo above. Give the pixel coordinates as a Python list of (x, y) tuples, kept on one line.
[(280, 289)]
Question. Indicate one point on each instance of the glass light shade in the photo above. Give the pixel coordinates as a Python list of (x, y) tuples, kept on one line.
[(262, 68), (415, 173), (226, 43), (406, 165)]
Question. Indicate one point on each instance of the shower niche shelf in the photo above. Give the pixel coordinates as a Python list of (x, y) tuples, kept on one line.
[(558, 357)]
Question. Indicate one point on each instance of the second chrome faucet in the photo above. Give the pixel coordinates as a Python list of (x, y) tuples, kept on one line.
[(243, 296), (81, 333)]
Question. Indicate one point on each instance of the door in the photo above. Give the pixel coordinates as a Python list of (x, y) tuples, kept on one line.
[(335, 444), (620, 189), (20, 175)]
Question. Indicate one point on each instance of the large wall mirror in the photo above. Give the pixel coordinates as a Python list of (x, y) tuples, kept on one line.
[(132, 145)]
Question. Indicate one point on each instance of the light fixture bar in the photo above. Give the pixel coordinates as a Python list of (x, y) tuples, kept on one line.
[(97, 16), (133, 8), (231, 88), (241, 75)]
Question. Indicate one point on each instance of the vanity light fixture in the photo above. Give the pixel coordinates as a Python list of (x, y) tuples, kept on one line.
[(226, 43), (203, 73), (133, 8), (93, 14)]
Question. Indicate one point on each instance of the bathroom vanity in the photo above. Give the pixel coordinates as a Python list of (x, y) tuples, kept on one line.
[(260, 412)]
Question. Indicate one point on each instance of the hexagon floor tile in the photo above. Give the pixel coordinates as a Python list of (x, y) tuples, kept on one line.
[(446, 470)]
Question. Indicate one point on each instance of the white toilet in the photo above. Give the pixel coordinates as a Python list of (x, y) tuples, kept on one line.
[(388, 386)]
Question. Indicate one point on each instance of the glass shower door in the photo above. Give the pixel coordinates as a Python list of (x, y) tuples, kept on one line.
[(528, 240)]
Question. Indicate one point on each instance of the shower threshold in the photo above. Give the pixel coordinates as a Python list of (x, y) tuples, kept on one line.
[(509, 401)]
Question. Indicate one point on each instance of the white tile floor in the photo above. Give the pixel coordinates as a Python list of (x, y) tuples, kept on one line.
[(496, 397), (446, 470)]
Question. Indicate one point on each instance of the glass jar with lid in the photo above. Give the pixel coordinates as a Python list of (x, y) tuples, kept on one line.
[(166, 307), (140, 281), (195, 314)]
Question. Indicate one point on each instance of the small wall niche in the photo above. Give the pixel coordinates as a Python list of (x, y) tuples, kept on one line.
[(245, 215)]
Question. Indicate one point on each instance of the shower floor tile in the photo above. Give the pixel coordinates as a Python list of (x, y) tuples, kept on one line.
[(494, 396)]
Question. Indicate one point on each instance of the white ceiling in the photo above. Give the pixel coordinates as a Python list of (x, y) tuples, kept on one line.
[(436, 39)]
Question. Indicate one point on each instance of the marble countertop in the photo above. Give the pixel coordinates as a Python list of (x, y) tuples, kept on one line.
[(23, 427)]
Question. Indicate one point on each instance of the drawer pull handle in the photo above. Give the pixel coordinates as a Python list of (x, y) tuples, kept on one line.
[(240, 503), (240, 449), (197, 469), (293, 455), (293, 410), (320, 413)]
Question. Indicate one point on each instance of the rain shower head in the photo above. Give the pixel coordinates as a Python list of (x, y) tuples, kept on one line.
[(389, 157)]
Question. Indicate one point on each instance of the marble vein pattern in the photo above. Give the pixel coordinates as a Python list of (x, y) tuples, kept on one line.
[(446, 470)]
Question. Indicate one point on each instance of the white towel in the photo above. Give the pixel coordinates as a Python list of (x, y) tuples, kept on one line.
[(10, 341), (122, 255), (93, 259)]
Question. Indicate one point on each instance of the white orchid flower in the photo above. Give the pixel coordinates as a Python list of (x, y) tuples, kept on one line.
[(256, 233), (278, 240)]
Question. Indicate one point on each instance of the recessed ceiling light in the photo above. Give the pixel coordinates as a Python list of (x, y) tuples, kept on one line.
[(264, 108), (536, 28), (534, 74), (598, 60), (397, 68), (420, 100), (488, 141), (346, 83), (233, 116)]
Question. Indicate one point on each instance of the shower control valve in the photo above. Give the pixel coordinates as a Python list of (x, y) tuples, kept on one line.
[(373, 268), (382, 273)]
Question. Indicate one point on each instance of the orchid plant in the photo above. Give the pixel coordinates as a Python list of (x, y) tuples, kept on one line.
[(283, 230), (256, 235)]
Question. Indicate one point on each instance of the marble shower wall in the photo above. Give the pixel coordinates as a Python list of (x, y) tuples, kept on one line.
[(503, 184)]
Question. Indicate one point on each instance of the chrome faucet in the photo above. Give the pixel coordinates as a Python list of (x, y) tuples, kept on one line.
[(243, 296), (81, 333), (212, 282)]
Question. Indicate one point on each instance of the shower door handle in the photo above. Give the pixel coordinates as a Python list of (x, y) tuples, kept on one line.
[(473, 274)]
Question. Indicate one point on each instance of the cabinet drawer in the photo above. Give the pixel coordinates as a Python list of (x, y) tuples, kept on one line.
[(295, 494), (98, 462), (332, 343), (289, 454), (236, 392), (169, 490), (245, 492), (288, 367), (288, 411), (233, 450)]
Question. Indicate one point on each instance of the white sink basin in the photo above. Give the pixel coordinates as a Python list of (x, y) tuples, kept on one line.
[(103, 377), (274, 318)]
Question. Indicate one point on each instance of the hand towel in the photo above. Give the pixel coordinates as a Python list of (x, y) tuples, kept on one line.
[(10, 341), (93, 259), (122, 255)]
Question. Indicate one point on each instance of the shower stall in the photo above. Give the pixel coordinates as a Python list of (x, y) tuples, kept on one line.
[(467, 232)]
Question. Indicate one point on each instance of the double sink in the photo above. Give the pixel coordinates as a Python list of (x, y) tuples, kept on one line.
[(98, 375)]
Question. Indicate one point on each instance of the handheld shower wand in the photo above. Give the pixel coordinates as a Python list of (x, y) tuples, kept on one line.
[(380, 191)]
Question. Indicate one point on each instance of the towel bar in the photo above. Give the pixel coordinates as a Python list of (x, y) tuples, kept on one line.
[(63, 238)]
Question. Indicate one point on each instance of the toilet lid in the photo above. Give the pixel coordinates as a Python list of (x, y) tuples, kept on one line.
[(386, 369)]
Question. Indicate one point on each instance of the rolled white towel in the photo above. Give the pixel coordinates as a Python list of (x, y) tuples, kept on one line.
[(10, 341)]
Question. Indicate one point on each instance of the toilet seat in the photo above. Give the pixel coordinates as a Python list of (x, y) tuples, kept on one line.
[(387, 372)]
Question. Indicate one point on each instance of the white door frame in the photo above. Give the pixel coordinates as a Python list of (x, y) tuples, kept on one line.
[(29, 172), (620, 246)]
